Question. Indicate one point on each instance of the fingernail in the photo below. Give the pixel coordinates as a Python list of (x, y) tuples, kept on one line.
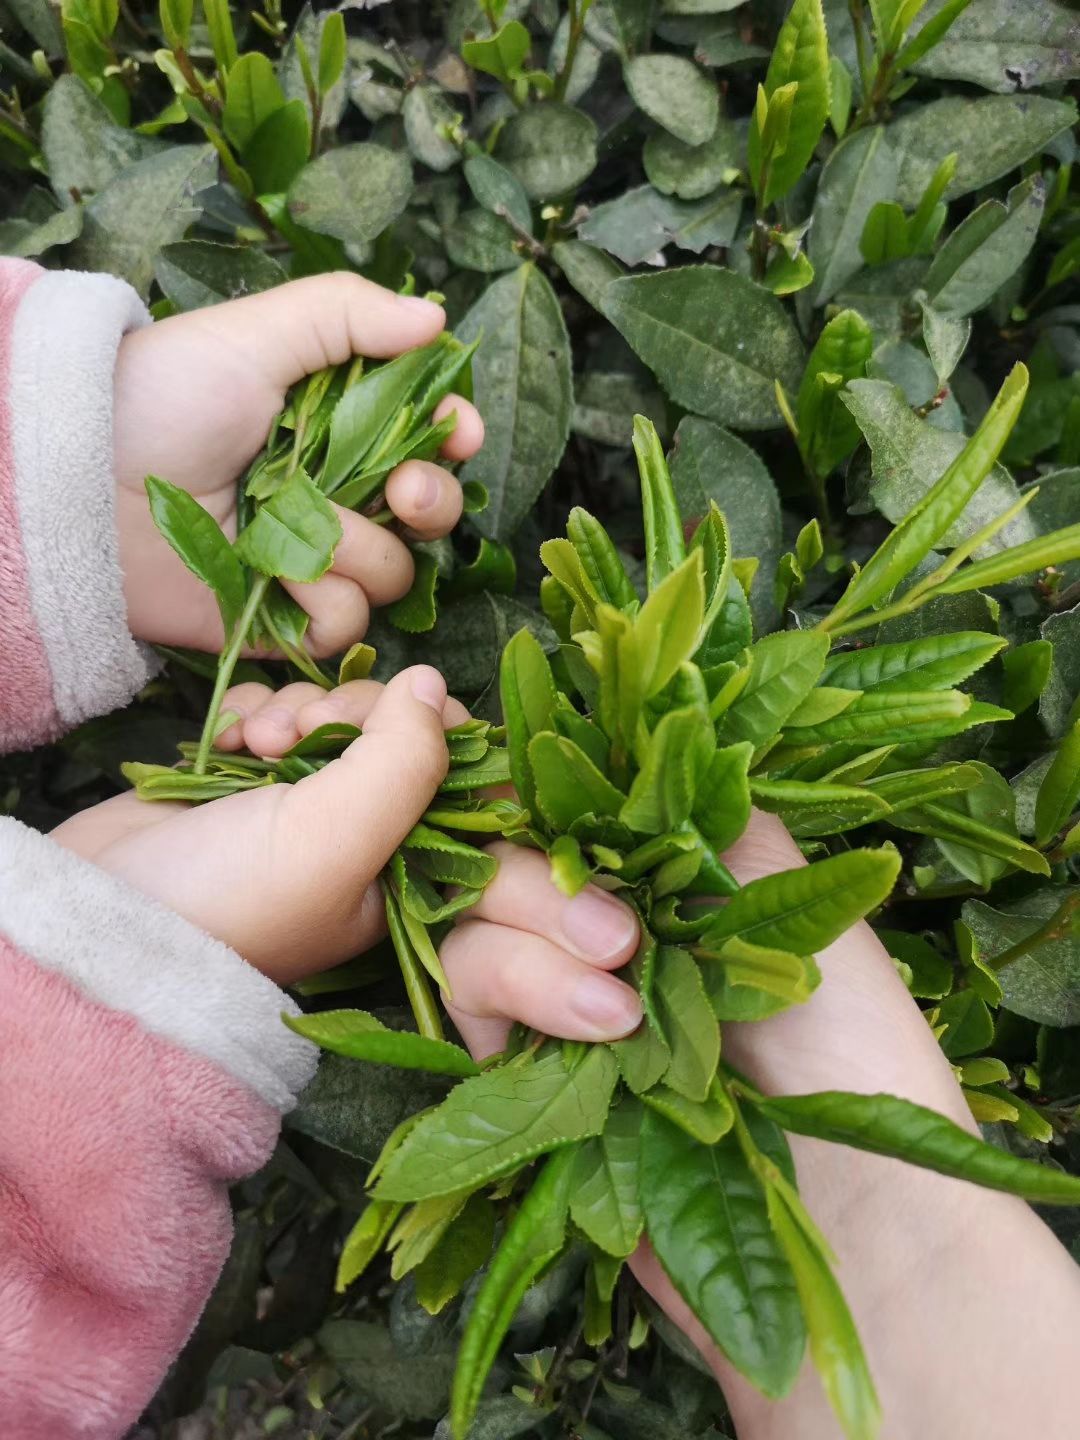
[(278, 719), (420, 305), (607, 1005), (598, 924), (429, 687), (426, 489)]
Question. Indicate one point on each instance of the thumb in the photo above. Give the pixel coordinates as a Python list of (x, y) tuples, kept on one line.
[(353, 814), (298, 328)]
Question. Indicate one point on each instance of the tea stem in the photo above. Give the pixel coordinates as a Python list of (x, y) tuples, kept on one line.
[(226, 665)]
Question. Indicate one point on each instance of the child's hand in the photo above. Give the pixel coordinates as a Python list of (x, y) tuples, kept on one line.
[(286, 875), (194, 399)]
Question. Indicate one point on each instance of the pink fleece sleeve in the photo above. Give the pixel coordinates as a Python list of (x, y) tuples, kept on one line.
[(143, 1067), (65, 650)]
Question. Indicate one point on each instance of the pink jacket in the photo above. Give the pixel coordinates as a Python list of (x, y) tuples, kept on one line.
[(143, 1065)]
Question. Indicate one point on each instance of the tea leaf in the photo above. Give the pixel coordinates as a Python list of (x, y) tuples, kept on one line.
[(707, 1120), (800, 57), (986, 249), (604, 1189), (495, 1121), (686, 1023), (707, 1223), (567, 783), (352, 193), (550, 148), (665, 544), (783, 671), (199, 541), (361, 1036), (293, 534), (886, 1125), (806, 909), (460, 1252), (676, 94), (716, 341), (664, 789)]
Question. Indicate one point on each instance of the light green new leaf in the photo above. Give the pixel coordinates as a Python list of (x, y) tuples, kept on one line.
[(706, 1120), (687, 1023), (893, 717), (783, 670), (791, 978), (361, 1036), (532, 1240), (600, 560), (668, 626), (567, 783), (722, 804), (254, 93), (1058, 548), (806, 909), (293, 534), (705, 1216), (834, 1340), (201, 544), (665, 543), (663, 793), (502, 54), (457, 1256), (419, 1230), (827, 430), (916, 535), (604, 1192), (365, 1240), (527, 690), (800, 57), (932, 662), (494, 1122), (886, 1125)]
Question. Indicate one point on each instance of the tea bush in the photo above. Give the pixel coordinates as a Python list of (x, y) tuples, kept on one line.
[(832, 228)]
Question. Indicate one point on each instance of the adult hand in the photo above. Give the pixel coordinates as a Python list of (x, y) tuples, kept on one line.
[(195, 396)]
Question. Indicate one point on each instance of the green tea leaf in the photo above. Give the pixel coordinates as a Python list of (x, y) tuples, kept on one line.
[(828, 432), (293, 534), (800, 57), (550, 148), (806, 909), (707, 1120), (783, 670), (527, 689), (686, 1022), (494, 1122), (676, 93), (460, 1252), (986, 249), (352, 193), (1060, 790), (201, 544), (604, 1189), (665, 543), (705, 1217), (254, 93), (931, 662), (532, 1240), (716, 341), (664, 789), (361, 1036), (886, 1125), (568, 784)]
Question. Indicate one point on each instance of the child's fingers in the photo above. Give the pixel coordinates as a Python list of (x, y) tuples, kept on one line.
[(338, 612), (243, 701), (593, 925), (501, 974), (468, 434), (295, 329), (425, 497), (274, 727), (373, 557), (354, 701)]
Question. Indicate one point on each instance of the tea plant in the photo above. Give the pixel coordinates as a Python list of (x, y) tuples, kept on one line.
[(635, 759), (809, 241)]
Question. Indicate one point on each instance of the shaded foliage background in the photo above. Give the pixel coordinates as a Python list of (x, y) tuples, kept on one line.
[(523, 176)]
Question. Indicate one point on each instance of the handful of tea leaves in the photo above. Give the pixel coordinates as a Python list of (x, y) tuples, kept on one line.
[(636, 750)]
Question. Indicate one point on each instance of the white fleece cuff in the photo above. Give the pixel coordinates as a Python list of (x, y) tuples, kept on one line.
[(130, 953), (66, 335)]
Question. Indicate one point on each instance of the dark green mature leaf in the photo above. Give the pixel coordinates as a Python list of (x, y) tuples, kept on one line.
[(82, 145), (801, 57), (860, 173), (706, 1219), (990, 136), (676, 93), (1042, 982), (200, 542), (642, 222), (532, 1240), (194, 273), (1060, 789), (364, 1354), (146, 205), (352, 193), (550, 148), (886, 1125), (693, 171), (1004, 45), (716, 341), (806, 909), (522, 385), (496, 1121), (293, 534), (986, 249), (604, 1191), (910, 456), (361, 1036), (783, 670)]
